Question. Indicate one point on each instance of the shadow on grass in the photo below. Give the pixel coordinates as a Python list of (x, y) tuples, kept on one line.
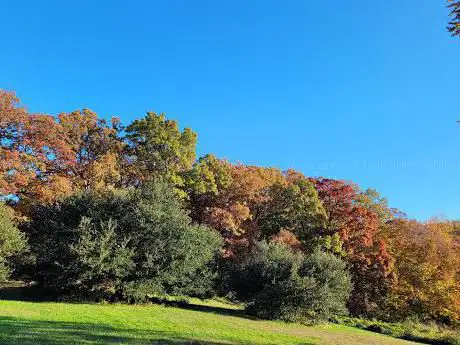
[(31, 294), (15, 331), (204, 308), (15, 293), (20, 292)]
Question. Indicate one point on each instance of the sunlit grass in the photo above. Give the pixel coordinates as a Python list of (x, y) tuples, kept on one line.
[(208, 323)]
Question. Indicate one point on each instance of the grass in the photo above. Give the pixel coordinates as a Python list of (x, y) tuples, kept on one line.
[(215, 323), (427, 333)]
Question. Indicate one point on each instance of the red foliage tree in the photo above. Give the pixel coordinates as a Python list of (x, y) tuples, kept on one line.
[(366, 250)]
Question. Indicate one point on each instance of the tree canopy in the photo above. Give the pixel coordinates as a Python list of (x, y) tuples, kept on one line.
[(129, 213)]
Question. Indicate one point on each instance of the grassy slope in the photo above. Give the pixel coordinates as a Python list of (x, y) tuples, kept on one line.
[(28, 323)]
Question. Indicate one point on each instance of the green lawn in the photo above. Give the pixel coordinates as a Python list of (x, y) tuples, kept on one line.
[(26, 323)]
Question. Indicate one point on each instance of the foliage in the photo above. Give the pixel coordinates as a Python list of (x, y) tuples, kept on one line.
[(12, 241), (33, 151), (293, 206), (44, 158), (158, 149), (104, 223), (277, 283), (209, 175), (353, 217), (234, 205), (427, 267), (371, 200), (95, 147), (454, 24), (121, 245)]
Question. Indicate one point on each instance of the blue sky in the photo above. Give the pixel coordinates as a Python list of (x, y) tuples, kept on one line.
[(358, 90)]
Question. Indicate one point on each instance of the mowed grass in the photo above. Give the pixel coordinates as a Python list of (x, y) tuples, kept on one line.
[(28, 323)]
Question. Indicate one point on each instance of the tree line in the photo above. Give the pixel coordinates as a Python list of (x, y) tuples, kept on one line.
[(95, 210)]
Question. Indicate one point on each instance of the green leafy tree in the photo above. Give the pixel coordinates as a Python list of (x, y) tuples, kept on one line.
[(209, 175), (372, 200), (208, 178), (12, 241), (159, 149), (294, 207)]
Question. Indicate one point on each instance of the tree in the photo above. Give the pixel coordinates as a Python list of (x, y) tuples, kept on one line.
[(231, 204), (293, 206), (44, 158), (337, 198), (158, 149), (12, 241), (427, 268), (209, 175), (354, 218), (372, 200), (277, 283), (96, 148), (33, 152), (128, 245), (454, 25), (204, 182)]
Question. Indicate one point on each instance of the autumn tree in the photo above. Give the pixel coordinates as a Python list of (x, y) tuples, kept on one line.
[(427, 268), (248, 203), (34, 153), (356, 221), (454, 24), (224, 193), (45, 157), (96, 149)]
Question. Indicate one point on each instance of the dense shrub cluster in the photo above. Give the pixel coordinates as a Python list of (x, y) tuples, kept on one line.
[(125, 245)]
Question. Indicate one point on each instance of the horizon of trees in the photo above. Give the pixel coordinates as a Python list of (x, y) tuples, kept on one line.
[(91, 198)]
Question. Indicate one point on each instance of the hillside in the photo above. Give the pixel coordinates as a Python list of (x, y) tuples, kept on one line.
[(28, 323)]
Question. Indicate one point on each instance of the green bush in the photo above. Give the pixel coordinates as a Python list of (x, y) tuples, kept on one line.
[(12, 241), (126, 245), (279, 284)]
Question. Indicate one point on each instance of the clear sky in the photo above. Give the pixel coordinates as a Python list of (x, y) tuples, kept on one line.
[(359, 90)]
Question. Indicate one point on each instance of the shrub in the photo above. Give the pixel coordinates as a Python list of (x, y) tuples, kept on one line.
[(277, 283), (125, 245), (12, 241), (333, 282)]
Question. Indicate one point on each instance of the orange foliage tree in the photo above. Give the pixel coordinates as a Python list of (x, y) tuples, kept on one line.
[(43, 157), (428, 269), (96, 149), (33, 153)]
